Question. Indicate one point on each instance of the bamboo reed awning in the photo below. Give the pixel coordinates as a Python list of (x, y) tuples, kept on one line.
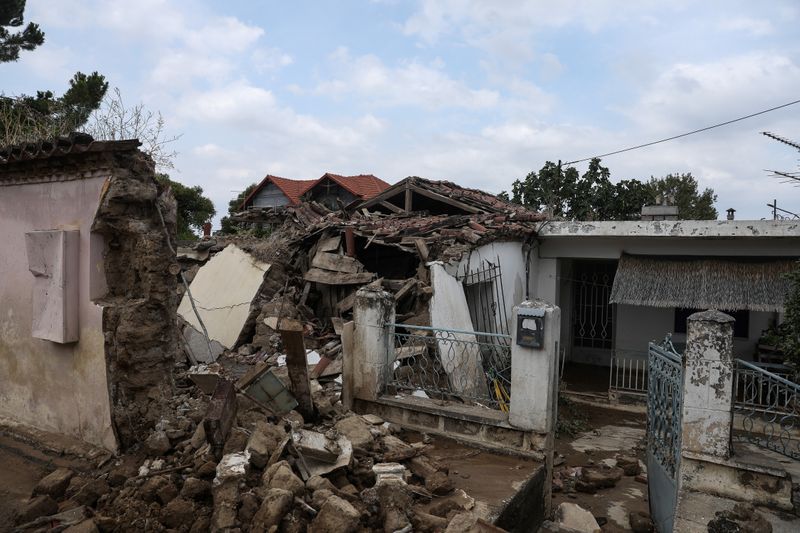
[(756, 284)]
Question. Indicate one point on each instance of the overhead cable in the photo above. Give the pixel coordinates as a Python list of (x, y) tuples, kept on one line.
[(684, 134)]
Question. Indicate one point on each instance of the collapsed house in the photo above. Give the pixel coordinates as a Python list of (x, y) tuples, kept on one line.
[(88, 290)]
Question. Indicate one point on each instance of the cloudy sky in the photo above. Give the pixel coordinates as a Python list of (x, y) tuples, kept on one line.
[(473, 91)]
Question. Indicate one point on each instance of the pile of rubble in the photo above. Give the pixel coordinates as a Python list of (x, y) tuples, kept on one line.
[(213, 467)]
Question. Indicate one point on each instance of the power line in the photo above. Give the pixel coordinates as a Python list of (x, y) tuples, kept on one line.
[(684, 134)]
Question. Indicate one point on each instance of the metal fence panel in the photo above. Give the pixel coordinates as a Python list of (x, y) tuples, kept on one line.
[(468, 366), (766, 403)]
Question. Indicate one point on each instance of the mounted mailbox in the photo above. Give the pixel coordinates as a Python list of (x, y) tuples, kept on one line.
[(530, 327)]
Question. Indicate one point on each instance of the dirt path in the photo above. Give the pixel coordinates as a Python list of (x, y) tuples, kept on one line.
[(608, 433)]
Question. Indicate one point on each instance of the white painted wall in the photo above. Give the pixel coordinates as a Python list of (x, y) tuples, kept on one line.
[(635, 326), (511, 258)]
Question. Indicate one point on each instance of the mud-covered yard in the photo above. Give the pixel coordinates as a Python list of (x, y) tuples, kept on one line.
[(596, 438)]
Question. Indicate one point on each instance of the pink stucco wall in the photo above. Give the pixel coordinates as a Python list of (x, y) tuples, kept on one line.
[(46, 385)]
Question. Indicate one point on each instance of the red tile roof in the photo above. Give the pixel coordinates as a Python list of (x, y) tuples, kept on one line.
[(364, 186), (293, 189)]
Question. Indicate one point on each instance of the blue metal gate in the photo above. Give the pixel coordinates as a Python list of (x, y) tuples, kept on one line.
[(664, 405)]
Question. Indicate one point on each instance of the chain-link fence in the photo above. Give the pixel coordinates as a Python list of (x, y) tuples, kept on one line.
[(466, 366)]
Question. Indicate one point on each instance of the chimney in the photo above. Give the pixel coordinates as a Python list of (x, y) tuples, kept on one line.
[(730, 212)]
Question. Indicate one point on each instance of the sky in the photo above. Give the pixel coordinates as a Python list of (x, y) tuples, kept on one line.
[(480, 93)]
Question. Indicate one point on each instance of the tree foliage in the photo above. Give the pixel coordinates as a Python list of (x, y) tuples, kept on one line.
[(789, 330), (565, 193), (234, 206), (194, 209), (31, 118), (13, 42)]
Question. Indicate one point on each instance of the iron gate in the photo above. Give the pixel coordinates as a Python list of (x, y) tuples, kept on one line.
[(664, 405)]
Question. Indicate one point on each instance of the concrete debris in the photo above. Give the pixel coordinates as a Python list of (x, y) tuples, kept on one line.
[(389, 473), (233, 465), (201, 350), (575, 517), (336, 516), (54, 484)]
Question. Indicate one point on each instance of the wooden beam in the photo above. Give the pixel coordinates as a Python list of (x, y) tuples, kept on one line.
[(337, 263), (297, 364), (337, 278), (409, 198), (350, 242), (445, 199), (422, 248), (391, 207)]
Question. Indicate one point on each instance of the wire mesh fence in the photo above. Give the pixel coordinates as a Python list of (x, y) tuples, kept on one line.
[(467, 366)]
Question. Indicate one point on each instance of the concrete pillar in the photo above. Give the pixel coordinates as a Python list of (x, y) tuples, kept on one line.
[(534, 372), (372, 343), (708, 370)]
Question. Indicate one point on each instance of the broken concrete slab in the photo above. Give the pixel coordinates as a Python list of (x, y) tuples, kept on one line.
[(200, 349), (459, 352), (312, 440), (205, 377), (223, 290), (575, 517)]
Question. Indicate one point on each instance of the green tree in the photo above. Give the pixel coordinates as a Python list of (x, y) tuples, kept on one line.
[(12, 43), (234, 206), (30, 118), (789, 330), (194, 209), (682, 190), (564, 193)]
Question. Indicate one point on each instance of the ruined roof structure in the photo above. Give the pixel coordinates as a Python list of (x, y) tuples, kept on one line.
[(437, 197)]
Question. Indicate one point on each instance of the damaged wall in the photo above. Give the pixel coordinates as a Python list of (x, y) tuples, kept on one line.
[(69, 387), (140, 305)]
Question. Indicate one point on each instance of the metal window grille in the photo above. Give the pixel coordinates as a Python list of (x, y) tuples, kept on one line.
[(592, 314)]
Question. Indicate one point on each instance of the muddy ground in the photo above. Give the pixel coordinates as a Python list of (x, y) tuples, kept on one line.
[(600, 434)]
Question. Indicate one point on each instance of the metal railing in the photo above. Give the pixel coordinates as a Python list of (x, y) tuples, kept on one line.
[(627, 375), (448, 364), (766, 407)]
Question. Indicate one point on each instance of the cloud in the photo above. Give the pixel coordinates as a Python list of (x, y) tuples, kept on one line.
[(694, 95), (410, 83), (753, 26)]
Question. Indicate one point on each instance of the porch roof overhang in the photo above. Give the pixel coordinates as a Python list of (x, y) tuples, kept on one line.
[(755, 284)]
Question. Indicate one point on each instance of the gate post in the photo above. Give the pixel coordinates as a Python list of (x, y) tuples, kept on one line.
[(534, 371), (373, 343), (708, 384)]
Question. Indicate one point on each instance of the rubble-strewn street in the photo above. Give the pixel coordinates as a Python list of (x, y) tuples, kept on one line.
[(264, 476)]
